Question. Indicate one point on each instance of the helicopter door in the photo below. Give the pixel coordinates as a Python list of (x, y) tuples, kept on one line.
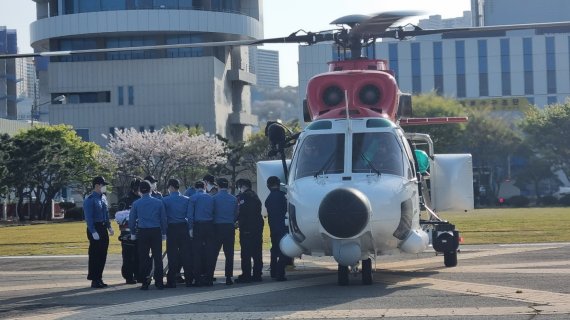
[(452, 182)]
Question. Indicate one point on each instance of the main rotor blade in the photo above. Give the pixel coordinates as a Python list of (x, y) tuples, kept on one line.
[(106, 50), (380, 22)]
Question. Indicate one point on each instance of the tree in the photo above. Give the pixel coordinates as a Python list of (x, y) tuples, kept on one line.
[(445, 136), (47, 158), (162, 154), (536, 170), (5, 150), (547, 132)]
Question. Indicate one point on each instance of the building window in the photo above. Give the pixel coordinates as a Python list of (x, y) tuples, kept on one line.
[(550, 65), (111, 5), (131, 95), (551, 100), (393, 58), (505, 67), (438, 67), (112, 131), (121, 96), (141, 129), (83, 134), (88, 97), (151, 128), (416, 69), (483, 68), (527, 66), (460, 67)]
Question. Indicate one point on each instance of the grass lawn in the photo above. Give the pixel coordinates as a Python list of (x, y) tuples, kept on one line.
[(476, 227)]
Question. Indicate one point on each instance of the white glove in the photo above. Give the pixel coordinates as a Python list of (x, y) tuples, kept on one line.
[(95, 235), (191, 233), (111, 231), (163, 237), (133, 237)]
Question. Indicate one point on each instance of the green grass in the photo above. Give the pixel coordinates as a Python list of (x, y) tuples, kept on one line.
[(516, 225), (476, 227), (62, 239)]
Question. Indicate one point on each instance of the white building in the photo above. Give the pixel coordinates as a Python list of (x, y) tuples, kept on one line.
[(147, 90), (436, 22), (265, 64)]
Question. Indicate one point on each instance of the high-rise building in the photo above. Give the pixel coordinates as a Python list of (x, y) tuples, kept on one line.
[(436, 22), (8, 90), (147, 89), (26, 75), (265, 64), (504, 12)]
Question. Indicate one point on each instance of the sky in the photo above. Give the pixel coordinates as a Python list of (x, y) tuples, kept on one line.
[(281, 19)]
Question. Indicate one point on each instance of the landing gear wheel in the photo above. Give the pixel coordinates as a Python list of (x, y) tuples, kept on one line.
[(367, 271), (342, 275), (450, 259)]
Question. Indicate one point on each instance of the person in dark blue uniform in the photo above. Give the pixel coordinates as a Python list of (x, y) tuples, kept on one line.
[(276, 205), (225, 216), (250, 224), (97, 219), (129, 252), (149, 218), (200, 217), (178, 242)]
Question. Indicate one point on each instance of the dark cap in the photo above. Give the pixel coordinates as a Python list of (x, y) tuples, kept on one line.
[(223, 183), (199, 185), (99, 180), (144, 186), (135, 183), (150, 179), (175, 183), (209, 178)]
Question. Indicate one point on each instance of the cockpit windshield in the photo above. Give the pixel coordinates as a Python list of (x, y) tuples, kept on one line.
[(377, 152), (320, 154)]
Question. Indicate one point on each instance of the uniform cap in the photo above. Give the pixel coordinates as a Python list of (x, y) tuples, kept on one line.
[(99, 180), (209, 178), (223, 183)]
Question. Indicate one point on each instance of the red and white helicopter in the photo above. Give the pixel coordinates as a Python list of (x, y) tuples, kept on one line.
[(354, 187)]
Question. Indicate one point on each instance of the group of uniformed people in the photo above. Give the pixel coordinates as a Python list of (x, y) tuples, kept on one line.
[(196, 226)]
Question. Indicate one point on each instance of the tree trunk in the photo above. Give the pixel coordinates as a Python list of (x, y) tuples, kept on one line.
[(20, 207)]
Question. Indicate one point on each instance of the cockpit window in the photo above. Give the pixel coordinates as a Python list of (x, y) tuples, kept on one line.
[(377, 152), (320, 154)]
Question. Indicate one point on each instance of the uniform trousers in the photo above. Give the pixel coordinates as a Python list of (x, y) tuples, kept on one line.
[(178, 249), (278, 259), (202, 246), (97, 252), (129, 252), (251, 243), (150, 240), (225, 238)]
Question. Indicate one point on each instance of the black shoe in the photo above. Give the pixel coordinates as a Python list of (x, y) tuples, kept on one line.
[(243, 280), (159, 286), (256, 279), (179, 279), (103, 283), (145, 285), (130, 281), (170, 285), (281, 279), (96, 284), (229, 281)]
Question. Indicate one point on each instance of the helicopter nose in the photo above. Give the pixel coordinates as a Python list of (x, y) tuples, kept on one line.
[(344, 212)]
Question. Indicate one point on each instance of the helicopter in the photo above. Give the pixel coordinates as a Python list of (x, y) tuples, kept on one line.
[(355, 187)]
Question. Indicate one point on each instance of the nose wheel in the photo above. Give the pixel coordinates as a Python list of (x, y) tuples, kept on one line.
[(367, 271), (344, 272), (342, 275)]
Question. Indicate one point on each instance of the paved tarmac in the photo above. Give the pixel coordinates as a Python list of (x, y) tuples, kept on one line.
[(525, 281)]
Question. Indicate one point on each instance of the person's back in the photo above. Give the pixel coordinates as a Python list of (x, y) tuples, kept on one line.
[(249, 215)]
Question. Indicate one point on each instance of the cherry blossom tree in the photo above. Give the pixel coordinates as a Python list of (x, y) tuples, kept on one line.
[(163, 154)]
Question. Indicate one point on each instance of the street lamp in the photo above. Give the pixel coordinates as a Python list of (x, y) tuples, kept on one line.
[(36, 107)]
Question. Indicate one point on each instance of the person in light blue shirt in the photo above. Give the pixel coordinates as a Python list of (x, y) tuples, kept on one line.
[(178, 242), (200, 217), (225, 216), (148, 216), (96, 211)]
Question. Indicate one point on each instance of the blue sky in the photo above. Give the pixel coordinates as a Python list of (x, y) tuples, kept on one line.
[(281, 19)]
